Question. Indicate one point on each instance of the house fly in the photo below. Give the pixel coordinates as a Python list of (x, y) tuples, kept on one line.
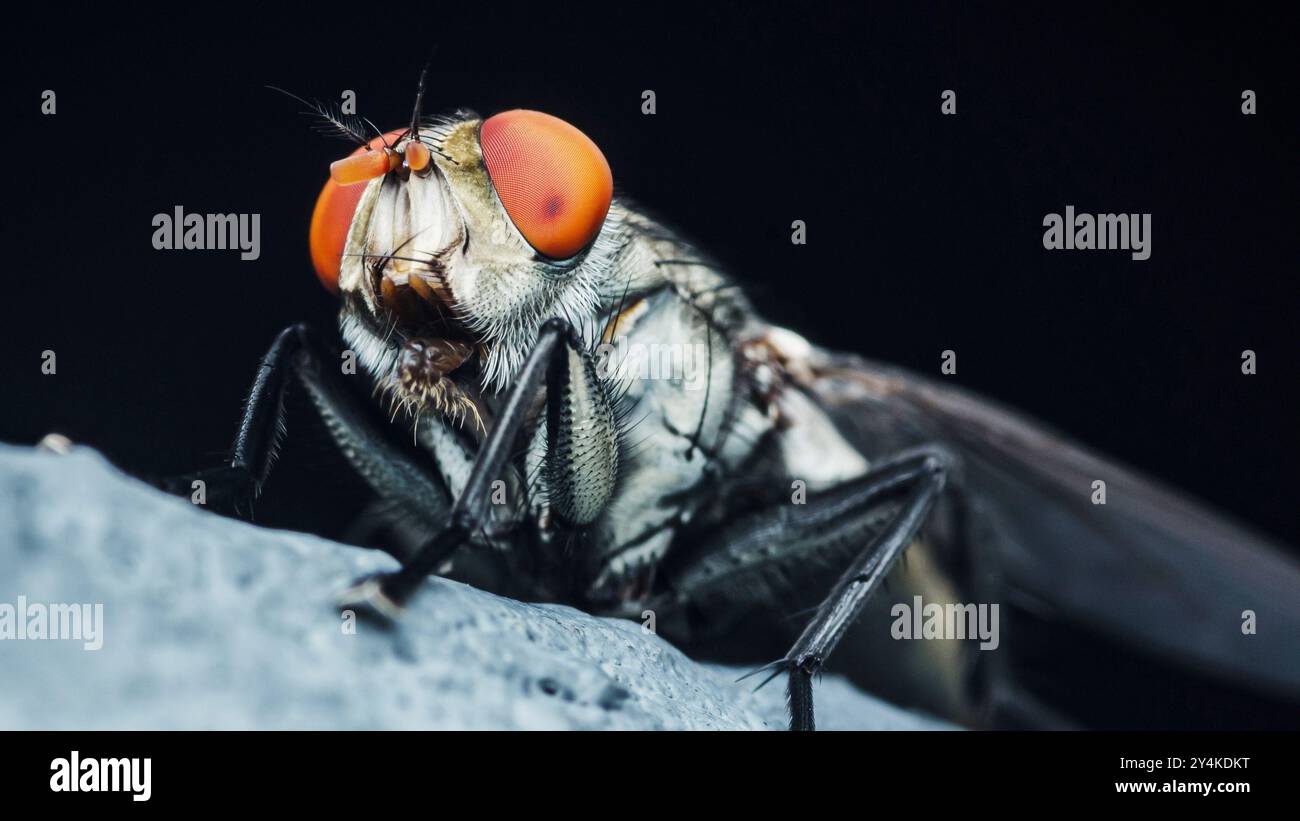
[(502, 303)]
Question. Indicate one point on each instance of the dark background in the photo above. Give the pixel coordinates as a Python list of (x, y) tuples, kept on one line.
[(924, 231)]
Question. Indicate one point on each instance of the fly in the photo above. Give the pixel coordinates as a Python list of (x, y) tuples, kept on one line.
[(496, 295)]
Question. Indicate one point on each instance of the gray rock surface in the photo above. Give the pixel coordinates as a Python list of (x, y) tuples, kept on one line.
[(211, 623)]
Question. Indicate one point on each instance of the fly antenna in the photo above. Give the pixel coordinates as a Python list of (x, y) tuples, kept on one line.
[(419, 97), (378, 133), (334, 123)]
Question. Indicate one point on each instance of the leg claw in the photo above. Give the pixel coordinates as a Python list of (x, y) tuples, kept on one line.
[(368, 599)]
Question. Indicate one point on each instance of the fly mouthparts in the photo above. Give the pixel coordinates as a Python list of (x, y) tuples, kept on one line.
[(430, 290), (414, 298)]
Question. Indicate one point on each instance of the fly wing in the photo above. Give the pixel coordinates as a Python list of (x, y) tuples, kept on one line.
[(1149, 571)]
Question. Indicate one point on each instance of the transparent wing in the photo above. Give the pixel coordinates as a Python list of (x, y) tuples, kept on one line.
[(1149, 575)]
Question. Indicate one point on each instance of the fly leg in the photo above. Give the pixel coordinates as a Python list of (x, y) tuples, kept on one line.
[(298, 353), (234, 485), (580, 465), (922, 479), (833, 522)]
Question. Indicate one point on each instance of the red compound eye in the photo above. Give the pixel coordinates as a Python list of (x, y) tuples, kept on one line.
[(333, 215), (552, 179)]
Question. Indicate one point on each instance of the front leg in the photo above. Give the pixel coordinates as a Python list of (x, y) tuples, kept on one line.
[(299, 353), (581, 460), (581, 437)]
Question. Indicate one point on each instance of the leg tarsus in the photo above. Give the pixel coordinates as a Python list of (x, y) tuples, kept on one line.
[(368, 601), (799, 693), (228, 489), (383, 596)]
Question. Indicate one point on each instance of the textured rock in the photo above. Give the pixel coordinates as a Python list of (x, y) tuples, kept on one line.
[(213, 623)]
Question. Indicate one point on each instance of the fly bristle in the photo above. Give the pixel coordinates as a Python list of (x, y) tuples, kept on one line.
[(444, 398)]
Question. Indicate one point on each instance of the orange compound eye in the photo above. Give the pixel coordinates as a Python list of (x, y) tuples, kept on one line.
[(334, 210), (552, 179)]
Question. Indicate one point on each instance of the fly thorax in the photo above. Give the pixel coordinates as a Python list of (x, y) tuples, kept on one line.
[(676, 375)]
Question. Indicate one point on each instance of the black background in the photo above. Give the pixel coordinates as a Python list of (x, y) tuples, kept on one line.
[(924, 231)]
